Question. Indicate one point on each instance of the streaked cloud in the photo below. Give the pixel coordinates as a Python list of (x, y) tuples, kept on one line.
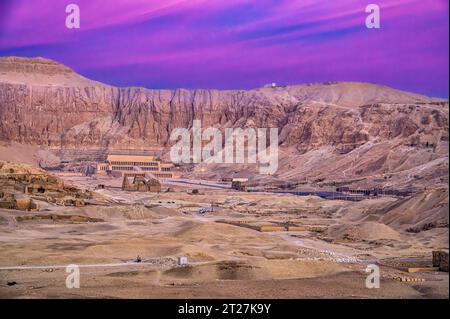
[(237, 44)]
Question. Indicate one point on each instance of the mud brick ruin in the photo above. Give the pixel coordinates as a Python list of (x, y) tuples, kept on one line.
[(140, 182)]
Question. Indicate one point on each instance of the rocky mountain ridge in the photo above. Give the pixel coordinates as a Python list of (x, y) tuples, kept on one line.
[(45, 103)]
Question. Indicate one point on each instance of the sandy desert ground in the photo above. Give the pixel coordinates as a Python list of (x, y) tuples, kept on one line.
[(324, 254)]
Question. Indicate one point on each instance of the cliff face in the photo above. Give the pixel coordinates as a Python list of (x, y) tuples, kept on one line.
[(45, 103)]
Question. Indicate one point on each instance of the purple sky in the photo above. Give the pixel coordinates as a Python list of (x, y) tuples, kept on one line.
[(232, 44)]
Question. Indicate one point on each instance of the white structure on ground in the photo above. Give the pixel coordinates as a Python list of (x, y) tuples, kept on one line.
[(182, 261)]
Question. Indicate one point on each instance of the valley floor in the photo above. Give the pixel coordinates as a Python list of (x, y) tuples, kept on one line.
[(247, 245)]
